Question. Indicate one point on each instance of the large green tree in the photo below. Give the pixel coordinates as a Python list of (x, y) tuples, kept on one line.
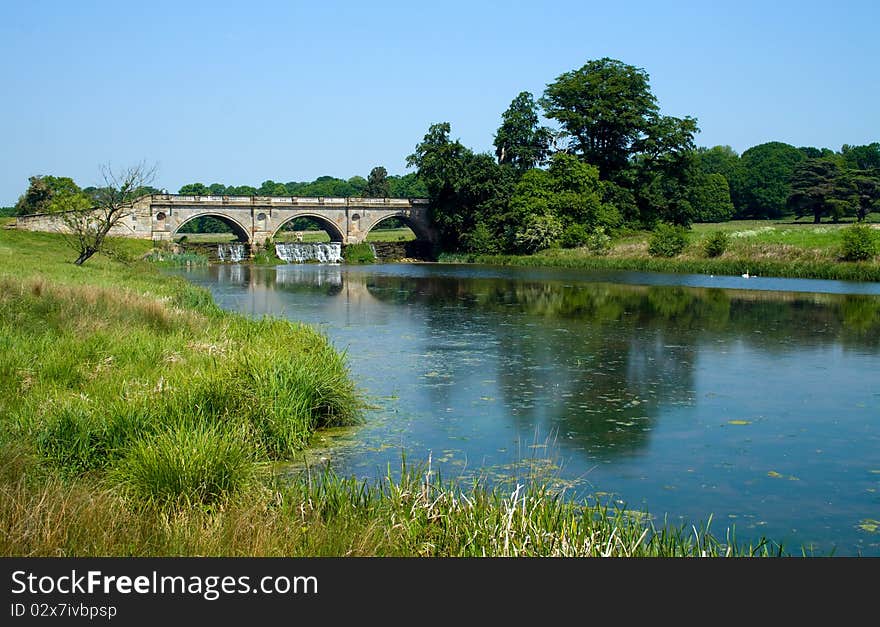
[(605, 106), (866, 157), (816, 189), (763, 186), (709, 196), (377, 183), (862, 189), (439, 162), (520, 140), (48, 194), (407, 186)]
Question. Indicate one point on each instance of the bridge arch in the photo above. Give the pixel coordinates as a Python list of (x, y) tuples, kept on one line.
[(331, 229), (240, 231), (418, 227)]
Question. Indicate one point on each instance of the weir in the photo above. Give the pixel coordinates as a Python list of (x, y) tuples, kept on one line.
[(301, 253), (231, 252)]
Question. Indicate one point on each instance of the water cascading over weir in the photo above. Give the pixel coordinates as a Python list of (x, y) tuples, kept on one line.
[(302, 253), (231, 252)]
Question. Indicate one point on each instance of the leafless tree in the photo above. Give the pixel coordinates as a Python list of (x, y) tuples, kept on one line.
[(88, 226)]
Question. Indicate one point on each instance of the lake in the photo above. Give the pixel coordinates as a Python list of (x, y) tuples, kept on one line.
[(753, 401)]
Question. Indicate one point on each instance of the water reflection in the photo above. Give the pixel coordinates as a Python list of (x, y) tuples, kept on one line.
[(753, 405)]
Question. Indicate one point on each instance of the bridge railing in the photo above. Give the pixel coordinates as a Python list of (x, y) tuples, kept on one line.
[(332, 201)]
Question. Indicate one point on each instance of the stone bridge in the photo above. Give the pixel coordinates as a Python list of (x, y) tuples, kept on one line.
[(254, 219)]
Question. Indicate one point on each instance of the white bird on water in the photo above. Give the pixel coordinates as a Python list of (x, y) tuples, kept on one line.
[(746, 275)]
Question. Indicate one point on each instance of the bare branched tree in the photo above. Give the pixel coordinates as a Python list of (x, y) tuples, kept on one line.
[(88, 226)]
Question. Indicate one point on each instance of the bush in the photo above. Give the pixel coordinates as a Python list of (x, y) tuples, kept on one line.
[(537, 233), (716, 244), (574, 236), (481, 240), (859, 243), (358, 253), (599, 242), (668, 240)]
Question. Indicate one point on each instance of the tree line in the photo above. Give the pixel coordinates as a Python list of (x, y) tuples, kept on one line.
[(615, 161)]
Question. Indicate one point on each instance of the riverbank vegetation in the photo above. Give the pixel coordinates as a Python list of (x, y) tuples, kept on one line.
[(781, 248), (139, 419)]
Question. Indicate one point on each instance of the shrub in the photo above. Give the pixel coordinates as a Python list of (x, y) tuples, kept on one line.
[(184, 465), (859, 243), (358, 253), (481, 240), (574, 236), (599, 242), (667, 240), (537, 232), (716, 244)]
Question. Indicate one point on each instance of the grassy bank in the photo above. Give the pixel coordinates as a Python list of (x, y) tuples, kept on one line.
[(112, 369), (139, 419), (761, 248)]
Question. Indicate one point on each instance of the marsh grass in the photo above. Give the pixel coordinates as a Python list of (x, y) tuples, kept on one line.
[(318, 513), (358, 253), (201, 464), (175, 260)]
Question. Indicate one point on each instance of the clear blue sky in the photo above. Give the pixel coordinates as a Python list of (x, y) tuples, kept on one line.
[(241, 92)]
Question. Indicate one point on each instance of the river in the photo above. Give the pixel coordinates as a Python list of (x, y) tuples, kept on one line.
[(755, 401)]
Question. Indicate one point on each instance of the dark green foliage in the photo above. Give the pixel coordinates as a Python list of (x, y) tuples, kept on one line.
[(862, 157), (858, 243), (605, 107), (816, 189), (358, 253), (205, 224), (716, 244), (667, 240), (407, 186), (762, 187), (862, 189), (194, 189), (722, 160), (520, 141), (464, 188), (574, 236), (6, 212), (398, 187), (481, 240), (377, 183), (46, 193), (709, 196)]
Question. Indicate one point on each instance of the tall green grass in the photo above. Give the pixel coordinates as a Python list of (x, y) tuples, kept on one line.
[(201, 463), (321, 514), (358, 253), (100, 360)]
